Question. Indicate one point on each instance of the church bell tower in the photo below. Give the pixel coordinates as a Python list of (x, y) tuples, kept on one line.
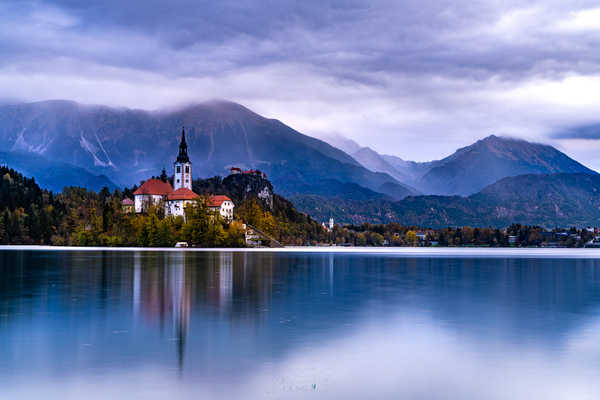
[(183, 166)]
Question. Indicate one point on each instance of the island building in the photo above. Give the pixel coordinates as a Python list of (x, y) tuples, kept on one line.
[(175, 198), (127, 205), (328, 226)]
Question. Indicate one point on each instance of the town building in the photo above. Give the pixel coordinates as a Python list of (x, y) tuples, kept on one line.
[(152, 192), (127, 205), (175, 198), (223, 205), (328, 226)]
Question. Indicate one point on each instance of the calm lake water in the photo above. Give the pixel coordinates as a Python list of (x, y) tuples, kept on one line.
[(157, 325)]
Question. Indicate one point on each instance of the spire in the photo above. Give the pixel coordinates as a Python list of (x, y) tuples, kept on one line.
[(182, 157)]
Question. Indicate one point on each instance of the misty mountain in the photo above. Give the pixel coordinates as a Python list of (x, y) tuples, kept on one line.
[(486, 161), (413, 170), (130, 145), (341, 142), (373, 161), (54, 175), (471, 168), (548, 200)]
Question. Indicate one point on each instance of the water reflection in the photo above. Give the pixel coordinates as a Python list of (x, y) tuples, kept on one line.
[(281, 325)]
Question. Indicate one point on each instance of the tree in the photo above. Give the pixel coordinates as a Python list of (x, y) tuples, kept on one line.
[(235, 235), (376, 239), (411, 237), (163, 176)]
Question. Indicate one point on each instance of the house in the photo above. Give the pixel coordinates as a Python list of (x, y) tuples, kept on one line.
[(221, 204), (237, 170), (152, 192), (178, 199), (328, 226), (175, 198), (127, 205)]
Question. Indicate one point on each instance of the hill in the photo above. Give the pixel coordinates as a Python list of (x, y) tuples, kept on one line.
[(472, 168), (547, 200), (130, 145)]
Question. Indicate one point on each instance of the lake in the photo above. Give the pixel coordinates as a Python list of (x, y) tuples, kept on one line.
[(295, 325)]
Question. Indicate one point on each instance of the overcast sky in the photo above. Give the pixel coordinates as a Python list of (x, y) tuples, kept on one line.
[(414, 78)]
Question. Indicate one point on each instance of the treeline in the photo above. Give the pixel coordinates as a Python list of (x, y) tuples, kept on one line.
[(80, 217), (518, 235)]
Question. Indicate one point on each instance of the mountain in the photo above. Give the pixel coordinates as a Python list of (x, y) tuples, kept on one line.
[(130, 145), (472, 168), (413, 170), (54, 175), (341, 142), (372, 160), (548, 200)]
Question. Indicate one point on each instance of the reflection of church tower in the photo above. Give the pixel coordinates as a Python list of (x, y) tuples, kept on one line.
[(183, 166)]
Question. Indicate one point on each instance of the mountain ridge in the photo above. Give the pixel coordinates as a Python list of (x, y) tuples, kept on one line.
[(129, 145), (550, 200), (471, 168)]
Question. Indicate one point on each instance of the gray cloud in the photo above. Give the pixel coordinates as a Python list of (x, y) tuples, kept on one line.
[(589, 132), (418, 78)]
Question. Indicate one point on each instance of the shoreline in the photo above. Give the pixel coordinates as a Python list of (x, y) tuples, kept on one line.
[(504, 252)]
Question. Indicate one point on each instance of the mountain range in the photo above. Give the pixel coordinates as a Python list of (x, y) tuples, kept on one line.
[(471, 168), (494, 181), (128, 146), (548, 200)]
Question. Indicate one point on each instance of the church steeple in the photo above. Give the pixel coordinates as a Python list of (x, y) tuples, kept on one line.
[(182, 157), (183, 166)]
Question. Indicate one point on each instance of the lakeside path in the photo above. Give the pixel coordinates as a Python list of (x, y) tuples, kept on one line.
[(446, 252)]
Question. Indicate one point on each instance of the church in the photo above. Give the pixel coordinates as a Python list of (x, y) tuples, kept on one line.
[(177, 197)]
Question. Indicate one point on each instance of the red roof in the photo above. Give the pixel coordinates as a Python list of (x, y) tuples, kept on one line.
[(216, 201), (155, 186), (182, 194), (127, 201)]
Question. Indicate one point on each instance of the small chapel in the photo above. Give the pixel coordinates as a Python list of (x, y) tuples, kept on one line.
[(178, 196)]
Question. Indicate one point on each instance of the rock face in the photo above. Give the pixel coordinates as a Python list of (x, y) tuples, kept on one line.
[(130, 145), (247, 186), (239, 187)]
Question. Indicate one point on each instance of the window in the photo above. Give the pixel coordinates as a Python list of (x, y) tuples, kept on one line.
[(177, 180), (179, 169), (187, 169)]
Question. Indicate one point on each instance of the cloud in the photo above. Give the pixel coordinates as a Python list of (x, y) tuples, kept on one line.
[(591, 131), (416, 78)]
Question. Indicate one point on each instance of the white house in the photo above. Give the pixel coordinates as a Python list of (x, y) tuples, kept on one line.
[(178, 200), (223, 205), (153, 191)]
